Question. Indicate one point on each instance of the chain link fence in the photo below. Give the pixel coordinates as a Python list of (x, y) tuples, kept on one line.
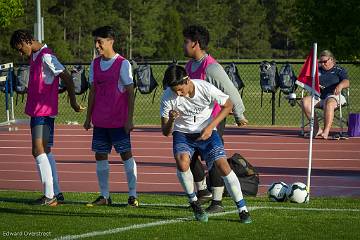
[(147, 106)]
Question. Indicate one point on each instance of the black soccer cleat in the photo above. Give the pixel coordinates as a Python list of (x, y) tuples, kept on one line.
[(199, 213), (245, 217)]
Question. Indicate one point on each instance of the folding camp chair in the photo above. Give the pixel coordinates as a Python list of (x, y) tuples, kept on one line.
[(339, 111)]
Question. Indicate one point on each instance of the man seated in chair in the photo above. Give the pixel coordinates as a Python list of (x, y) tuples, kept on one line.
[(333, 79)]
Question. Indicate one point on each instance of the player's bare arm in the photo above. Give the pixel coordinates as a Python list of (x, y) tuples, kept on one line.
[(167, 124), (225, 110)]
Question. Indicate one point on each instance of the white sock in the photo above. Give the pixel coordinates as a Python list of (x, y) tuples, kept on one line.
[(217, 193), (233, 187), (186, 180), (131, 175), (201, 185), (102, 172), (46, 178), (52, 162)]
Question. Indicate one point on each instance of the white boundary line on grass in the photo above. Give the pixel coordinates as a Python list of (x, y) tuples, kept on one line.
[(136, 226), (178, 220)]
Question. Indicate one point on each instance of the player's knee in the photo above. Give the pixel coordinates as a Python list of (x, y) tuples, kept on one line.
[(37, 150), (101, 156), (126, 155), (223, 166), (183, 162)]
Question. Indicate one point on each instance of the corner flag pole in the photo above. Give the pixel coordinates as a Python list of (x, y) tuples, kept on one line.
[(313, 72)]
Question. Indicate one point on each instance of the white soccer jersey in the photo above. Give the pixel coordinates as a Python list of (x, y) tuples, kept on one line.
[(195, 112)]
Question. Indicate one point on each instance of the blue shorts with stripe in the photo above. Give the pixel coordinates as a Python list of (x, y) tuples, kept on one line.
[(210, 149), (104, 138), (46, 121)]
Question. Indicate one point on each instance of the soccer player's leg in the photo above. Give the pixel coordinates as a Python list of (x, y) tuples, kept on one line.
[(101, 145), (216, 181), (217, 186), (214, 151), (40, 136), (198, 171), (122, 143), (182, 152), (57, 192)]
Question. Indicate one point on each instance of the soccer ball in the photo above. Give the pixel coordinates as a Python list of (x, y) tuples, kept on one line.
[(297, 193), (277, 191)]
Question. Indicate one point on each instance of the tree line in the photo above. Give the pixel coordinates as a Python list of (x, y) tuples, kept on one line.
[(152, 29)]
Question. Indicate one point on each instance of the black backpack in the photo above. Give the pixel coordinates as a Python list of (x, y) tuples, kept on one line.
[(81, 83), (145, 81), (246, 173), (269, 77), (233, 73), (22, 79), (287, 79)]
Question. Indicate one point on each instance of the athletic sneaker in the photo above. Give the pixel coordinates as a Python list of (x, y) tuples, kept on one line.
[(133, 202), (102, 201), (204, 196), (45, 201), (60, 198), (199, 213), (244, 217), (215, 207)]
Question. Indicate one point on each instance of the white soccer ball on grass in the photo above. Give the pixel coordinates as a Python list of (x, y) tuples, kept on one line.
[(277, 191), (297, 193)]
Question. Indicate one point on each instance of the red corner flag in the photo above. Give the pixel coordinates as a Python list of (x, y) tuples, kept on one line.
[(304, 79)]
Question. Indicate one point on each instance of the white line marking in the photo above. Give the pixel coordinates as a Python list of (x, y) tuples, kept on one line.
[(170, 148), (171, 183), (168, 173), (171, 157), (88, 172), (89, 181), (157, 164), (178, 220), (170, 142)]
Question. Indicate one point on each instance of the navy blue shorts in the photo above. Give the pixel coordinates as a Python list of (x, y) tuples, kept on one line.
[(210, 149), (105, 138), (39, 133)]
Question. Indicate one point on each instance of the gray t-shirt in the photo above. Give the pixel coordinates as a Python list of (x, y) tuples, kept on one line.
[(216, 75)]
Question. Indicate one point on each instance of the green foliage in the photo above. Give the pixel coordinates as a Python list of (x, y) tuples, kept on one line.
[(170, 46), (152, 29), (249, 36), (334, 25), (9, 9), (281, 19)]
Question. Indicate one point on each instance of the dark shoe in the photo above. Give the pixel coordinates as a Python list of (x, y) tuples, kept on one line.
[(100, 201), (60, 198), (199, 213), (204, 196), (215, 207), (245, 217), (133, 202), (44, 201)]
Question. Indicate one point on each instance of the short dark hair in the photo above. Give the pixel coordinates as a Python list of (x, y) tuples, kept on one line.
[(104, 32), (174, 75), (198, 34), (20, 36)]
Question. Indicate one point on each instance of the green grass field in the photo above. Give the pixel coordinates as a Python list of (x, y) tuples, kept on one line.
[(167, 217), (147, 112)]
